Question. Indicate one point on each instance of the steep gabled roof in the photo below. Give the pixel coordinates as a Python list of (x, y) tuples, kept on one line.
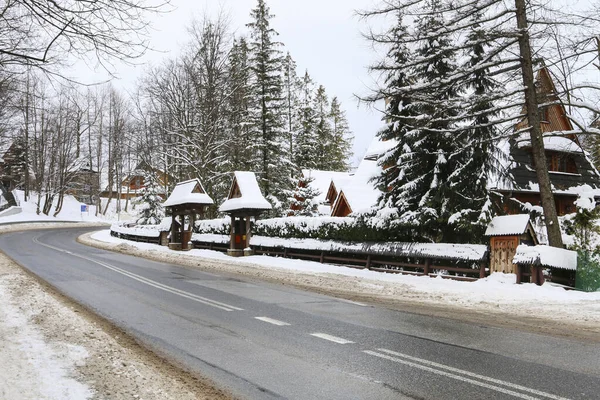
[(188, 192), (322, 181), (245, 194)]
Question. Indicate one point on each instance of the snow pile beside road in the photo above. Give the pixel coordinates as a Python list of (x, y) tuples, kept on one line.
[(495, 294)]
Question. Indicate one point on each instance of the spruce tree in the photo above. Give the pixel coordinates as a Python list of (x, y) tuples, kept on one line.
[(305, 155), (302, 201), (323, 129), (273, 162), (340, 145), (149, 203), (291, 95)]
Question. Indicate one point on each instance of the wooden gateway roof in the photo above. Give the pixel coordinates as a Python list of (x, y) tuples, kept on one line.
[(245, 196), (189, 192)]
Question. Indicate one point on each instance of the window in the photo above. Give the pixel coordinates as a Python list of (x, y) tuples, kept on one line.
[(558, 162)]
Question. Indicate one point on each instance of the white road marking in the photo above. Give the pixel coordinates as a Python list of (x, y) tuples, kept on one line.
[(437, 368), (150, 282), (272, 321), (331, 338), (353, 302)]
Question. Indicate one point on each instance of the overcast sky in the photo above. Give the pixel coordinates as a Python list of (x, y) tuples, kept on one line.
[(323, 36)]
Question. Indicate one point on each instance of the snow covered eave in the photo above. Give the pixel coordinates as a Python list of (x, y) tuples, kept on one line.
[(508, 225), (546, 256)]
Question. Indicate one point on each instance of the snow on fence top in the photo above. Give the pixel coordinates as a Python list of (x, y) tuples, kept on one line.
[(187, 192), (508, 225), (125, 228), (465, 252), (546, 256), (245, 194)]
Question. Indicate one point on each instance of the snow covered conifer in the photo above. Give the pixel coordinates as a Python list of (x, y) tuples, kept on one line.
[(340, 145), (305, 155), (302, 201), (273, 159), (149, 203), (323, 130)]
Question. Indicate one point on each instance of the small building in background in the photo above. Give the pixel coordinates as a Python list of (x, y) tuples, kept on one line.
[(187, 202), (83, 181), (244, 202)]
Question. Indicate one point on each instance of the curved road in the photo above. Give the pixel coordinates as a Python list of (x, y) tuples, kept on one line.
[(267, 341)]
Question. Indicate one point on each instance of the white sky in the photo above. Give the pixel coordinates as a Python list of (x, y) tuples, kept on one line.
[(323, 36)]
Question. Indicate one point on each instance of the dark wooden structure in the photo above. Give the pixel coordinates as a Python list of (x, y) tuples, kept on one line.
[(567, 164), (245, 202), (506, 233), (187, 202)]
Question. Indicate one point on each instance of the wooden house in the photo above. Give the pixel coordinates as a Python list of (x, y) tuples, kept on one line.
[(244, 202), (187, 202), (322, 183), (134, 182), (83, 181), (568, 164), (13, 165), (506, 233)]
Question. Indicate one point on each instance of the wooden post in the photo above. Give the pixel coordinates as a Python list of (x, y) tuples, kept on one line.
[(322, 258), (232, 238), (427, 266), (518, 271), (482, 270), (368, 265), (172, 228), (534, 274), (285, 252), (248, 232)]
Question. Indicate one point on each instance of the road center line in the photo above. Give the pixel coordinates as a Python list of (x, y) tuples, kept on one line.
[(452, 375), (272, 321), (474, 375), (150, 282), (331, 338)]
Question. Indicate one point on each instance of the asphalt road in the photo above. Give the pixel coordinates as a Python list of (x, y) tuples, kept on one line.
[(267, 341)]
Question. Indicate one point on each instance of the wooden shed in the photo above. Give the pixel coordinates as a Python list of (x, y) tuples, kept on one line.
[(557, 260), (506, 233), (187, 202), (245, 202)]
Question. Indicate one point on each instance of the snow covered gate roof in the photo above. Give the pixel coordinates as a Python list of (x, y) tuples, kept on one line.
[(546, 256), (244, 194), (188, 192), (508, 225)]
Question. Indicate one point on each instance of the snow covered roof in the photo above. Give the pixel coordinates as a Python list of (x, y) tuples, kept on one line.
[(321, 180), (360, 193), (378, 148), (188, 192), (555, 143), (546, 256), (244, 194), (81, 164), (508, 225)]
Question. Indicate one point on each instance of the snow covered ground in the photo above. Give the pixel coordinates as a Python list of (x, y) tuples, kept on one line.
[(496, 294), (71, 211)]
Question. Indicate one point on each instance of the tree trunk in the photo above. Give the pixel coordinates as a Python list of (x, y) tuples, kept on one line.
[(535, 131)]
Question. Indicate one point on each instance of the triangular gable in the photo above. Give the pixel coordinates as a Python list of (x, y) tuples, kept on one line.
[(332, 193), (198, 189), (341, 208), (234, 191)]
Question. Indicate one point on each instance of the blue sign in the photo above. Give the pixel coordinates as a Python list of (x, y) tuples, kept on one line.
[(84, 208)]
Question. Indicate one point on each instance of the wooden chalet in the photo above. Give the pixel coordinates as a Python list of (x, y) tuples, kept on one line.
[(83, 181), (244, 202), (134, 182), (568, 165), (187, 202), (12, 165), (506, 234), (323, 183)]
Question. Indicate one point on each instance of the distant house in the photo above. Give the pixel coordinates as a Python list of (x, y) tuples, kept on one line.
[(82, 181), (357, 193), (321, 182), (568, 164), (12, 165), (134, 182)]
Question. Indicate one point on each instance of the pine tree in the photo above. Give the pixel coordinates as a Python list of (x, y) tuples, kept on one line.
[(273, 162), (291, 95), (340, 145), (149, 203), (305, 154), (240, 156), (323, 128)]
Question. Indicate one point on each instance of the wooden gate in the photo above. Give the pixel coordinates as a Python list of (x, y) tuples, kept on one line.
[(503, 251)]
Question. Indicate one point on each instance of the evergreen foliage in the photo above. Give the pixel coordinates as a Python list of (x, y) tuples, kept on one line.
[(339, 148), (149, 203), (302, 202)]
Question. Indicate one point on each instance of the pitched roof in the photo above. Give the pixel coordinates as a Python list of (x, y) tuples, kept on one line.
[(188, 192), (508, 225), (546, 256), (244, 194), (321, 181)]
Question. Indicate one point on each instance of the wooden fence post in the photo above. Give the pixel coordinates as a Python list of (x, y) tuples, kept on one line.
[(368, 265), (285, 252), (427, 266), (482, 270), (322, 259)]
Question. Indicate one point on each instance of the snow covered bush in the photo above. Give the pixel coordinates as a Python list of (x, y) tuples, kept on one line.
[(219, 226)]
